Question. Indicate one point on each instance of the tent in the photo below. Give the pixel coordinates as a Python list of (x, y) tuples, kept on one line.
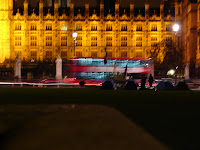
[(164, 85)]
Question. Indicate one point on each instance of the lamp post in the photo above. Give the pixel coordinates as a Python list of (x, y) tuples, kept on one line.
[(74, 35), (176, 28)]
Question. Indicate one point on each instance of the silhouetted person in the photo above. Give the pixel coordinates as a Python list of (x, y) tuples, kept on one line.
[(143, 81), (150, 80)]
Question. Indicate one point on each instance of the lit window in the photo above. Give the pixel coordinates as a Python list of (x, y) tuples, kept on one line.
[(79, 41), (138, 54), (49, 55), (33, 27), (18, 53), (33, 40), (124, 27), (109, 41), (64, 55), (124, 54), (124, 41), (79, 53), (108, 27), (154, 38), (94, 27), (63, 40), (78, 27), (64, 27), (49, 27), (33, 55), (18, 41), (48, 40), (139, 41), (18, 26), (93, 53), (154, 27), (93, 40), (109, 53), (139, 27)]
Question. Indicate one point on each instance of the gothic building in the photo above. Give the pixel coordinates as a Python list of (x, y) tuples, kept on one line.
[(45, 31), (48, 33)]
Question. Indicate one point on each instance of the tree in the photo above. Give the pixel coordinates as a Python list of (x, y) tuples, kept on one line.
[(166, 56)]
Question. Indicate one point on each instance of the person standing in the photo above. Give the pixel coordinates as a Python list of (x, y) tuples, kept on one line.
[(150, 80)]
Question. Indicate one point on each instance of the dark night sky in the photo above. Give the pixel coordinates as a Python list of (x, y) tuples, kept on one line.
[(124, 3)]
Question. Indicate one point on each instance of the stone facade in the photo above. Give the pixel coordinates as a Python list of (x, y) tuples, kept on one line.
[(44, 33)]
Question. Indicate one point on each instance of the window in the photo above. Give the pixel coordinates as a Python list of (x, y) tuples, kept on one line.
[(33, 27), (108, 27), (154, 38), (124, 27), (18, 26), (18, 41), (17, 53), (124, 54), (64, 27), (138, 54), (109, 53), (169, 41), (79, 53), (78, 27), (33, 55), (93, 53), (139, 27), (168, 27), (64, 55), (63, 40), (94, 27), (49, 27), (48, 40), (109, 41), (49, 55), (124, 41), (33, 40), (153, 41), (139, 41), (93, 40), (153, 27), (79, 41)]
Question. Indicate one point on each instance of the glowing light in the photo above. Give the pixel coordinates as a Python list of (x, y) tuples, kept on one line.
[(74, 35), (171, 72), (176, 28)]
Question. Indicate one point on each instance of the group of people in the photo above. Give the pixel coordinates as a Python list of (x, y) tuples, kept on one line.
[(143, 81)]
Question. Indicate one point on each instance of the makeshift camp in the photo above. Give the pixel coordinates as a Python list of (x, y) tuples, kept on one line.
[(130, 85), (164, 85), (108, 84), (182, 86)]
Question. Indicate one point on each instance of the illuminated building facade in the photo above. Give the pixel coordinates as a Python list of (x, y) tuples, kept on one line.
[(43, 33)]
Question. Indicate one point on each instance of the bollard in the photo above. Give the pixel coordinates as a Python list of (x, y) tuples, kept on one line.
[(33, 86), (21, 85), (45, 86), (13, 85), (58, 86)]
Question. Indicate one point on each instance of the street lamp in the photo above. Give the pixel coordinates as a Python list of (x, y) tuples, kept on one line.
[(74, 35), (176, 28)]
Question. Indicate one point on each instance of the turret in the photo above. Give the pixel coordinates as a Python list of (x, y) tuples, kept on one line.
[(72, 9), (56, 8), (147, 10), (132, 10), (117, 10), (87, 9), (41, 5), (26, 8), (162, 10), (101, 10)]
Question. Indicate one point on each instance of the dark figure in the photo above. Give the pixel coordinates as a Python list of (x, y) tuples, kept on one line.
[(143, 81), (150, 80)]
